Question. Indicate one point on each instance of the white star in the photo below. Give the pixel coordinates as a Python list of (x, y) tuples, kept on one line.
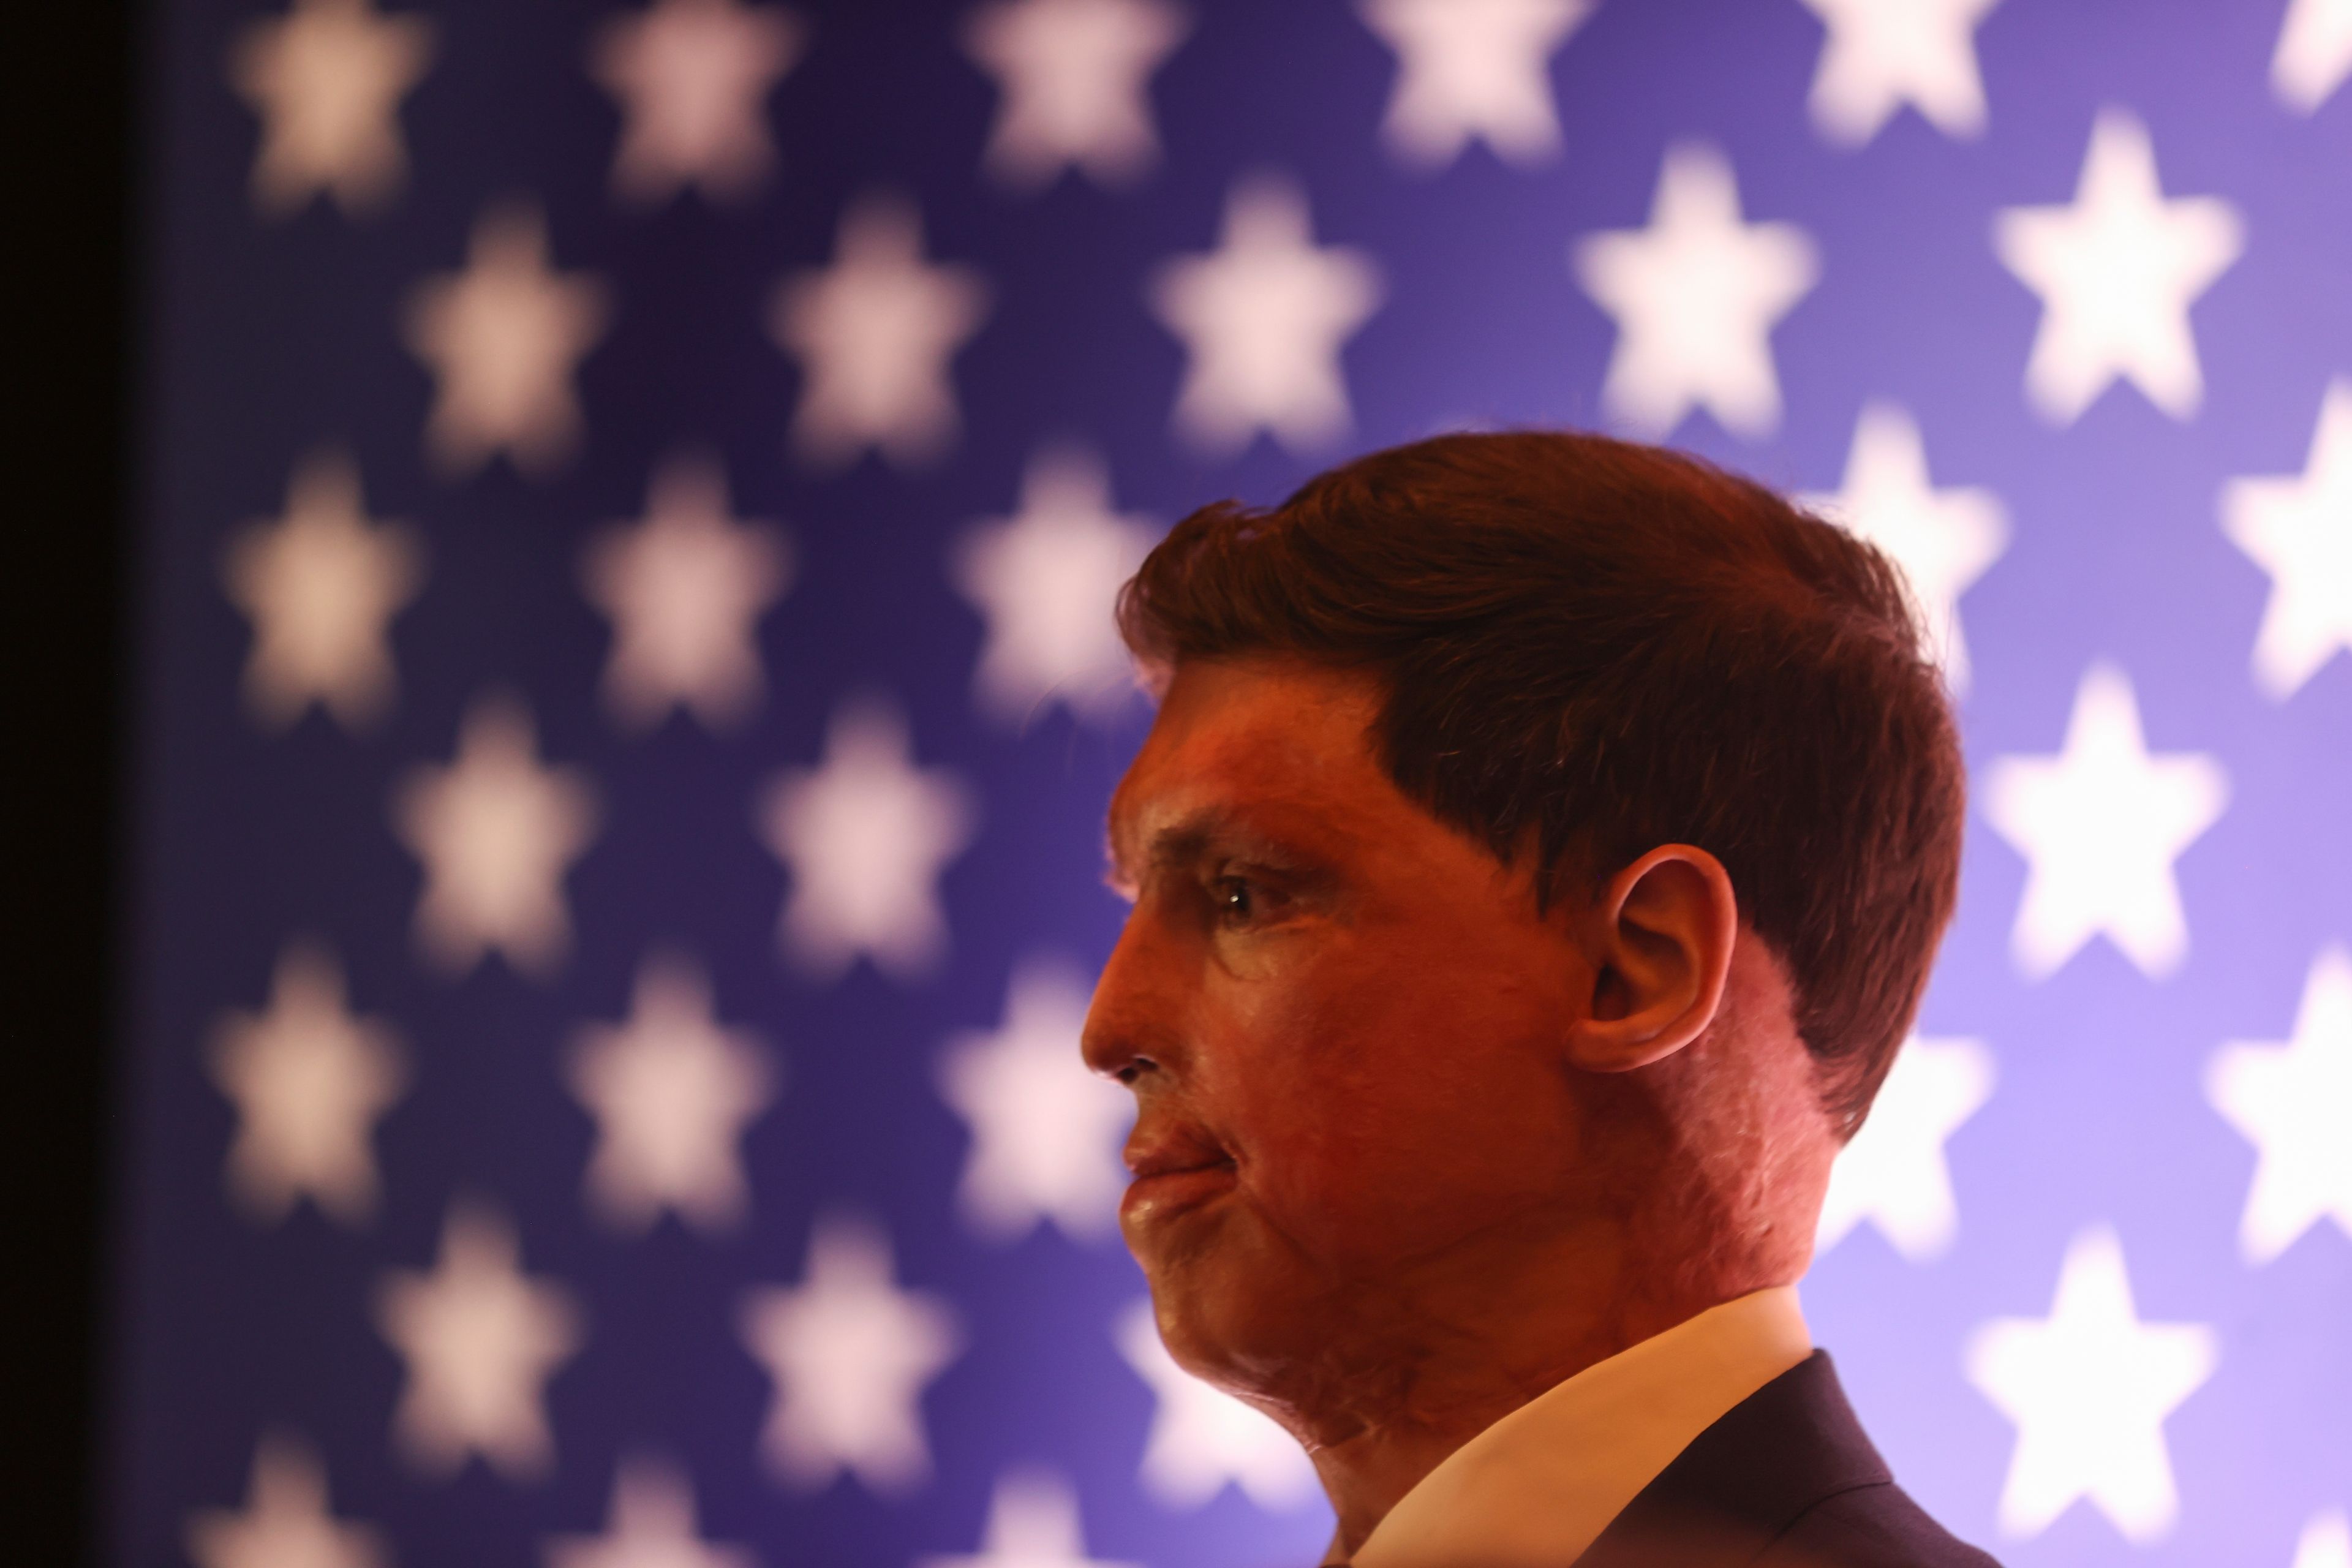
[(2314, 53), (651, 1525), (1072, 76), (1883, 54), (495, 833), (320, 585), (684, 588), (1942, 538), (874, 333), (2101, 824), (309, 1080), (1893, 1173), (1033, 1522), (2325, 1541), (2300, 531), (503, 338), (672, 1092), (2089, 1387), (1695, 297), (691, 76), (1263, 317), (850, 1354), (2117, 270), (1047, 579), (1046, 1132), (285, 1523), (1202, 1438), (2293, 1099), (327, 80), (480, 1341), (1471, 69), (866, 836)]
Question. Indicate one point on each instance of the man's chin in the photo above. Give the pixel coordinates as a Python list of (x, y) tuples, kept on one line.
[(1217, 1339), (1179, 1226), (1222, 1308)]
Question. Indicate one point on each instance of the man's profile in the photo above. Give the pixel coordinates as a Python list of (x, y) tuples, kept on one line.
[(1537, 859)]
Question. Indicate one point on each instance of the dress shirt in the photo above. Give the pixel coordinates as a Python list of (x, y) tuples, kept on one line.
[(1538, 1486)]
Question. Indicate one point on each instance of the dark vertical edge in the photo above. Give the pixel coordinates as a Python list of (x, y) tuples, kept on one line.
[(73, 485)]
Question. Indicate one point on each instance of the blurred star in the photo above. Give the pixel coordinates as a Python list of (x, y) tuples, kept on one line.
[(480, 1341), (1943, 540), (2314, 53), (285, 1523), (2089, 1387), (2300, 531), (1473, 70), (1882, 54), (1695, 297), (320, 585), (327, 80), (1893, 1173), (865, 834), (2325, 1541), (692, 77), (503, 338), (1201, 1437), (1033, 1522), (1046, 1132), (309, 1080), (672, 1092), (1263, 318), (875, 333), (1072, 76), (651, 1525), (685, 587), (1048, 581), (495, 833), (850, 1354), (2100, 823), (2293, 1099), (2117, 271)]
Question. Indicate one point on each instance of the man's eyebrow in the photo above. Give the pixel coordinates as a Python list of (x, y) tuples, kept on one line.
[(1193, 836), (1181, 840), (1177, 842)]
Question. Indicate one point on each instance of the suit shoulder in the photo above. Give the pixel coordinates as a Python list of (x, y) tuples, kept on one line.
[(1875, 1525)]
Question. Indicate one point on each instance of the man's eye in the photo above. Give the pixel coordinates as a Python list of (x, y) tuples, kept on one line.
[(1233, 896), (1240, 899)]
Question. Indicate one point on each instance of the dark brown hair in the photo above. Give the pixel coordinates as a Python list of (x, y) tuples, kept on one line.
[(1588, 648)]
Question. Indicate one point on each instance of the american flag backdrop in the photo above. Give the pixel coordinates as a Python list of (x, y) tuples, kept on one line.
[(633, 494)]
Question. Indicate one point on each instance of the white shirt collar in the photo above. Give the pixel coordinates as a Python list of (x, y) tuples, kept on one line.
[(1538, 1485)]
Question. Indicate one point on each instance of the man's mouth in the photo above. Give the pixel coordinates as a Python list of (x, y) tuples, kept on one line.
[(1173, 1173)]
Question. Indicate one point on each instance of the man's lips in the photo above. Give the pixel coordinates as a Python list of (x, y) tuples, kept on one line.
[(1165, 1193), (1173, 1173)]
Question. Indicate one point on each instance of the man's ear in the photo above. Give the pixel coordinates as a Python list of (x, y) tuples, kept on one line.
[(1660, 937)]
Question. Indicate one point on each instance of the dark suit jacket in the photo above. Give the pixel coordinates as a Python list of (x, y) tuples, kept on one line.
[(1786, 1480)]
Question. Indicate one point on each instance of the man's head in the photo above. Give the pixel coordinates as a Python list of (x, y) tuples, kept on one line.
[(1537, 858)]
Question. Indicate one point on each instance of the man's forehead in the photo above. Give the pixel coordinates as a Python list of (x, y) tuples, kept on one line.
[(1213, 776), (1243, 749)]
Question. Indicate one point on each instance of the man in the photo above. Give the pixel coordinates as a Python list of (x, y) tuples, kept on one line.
[(1535, 862)]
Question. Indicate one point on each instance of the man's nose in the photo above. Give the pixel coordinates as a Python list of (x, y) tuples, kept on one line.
[(1128, 1023)]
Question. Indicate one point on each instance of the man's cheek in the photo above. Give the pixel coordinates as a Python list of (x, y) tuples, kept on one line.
[(1334, 1199), (1304, 1059)]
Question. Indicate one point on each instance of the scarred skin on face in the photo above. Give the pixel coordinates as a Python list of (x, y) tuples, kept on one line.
[(1409, 1151)]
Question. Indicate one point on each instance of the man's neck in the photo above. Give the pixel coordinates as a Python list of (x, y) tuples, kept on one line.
[(1372, 1437), (1545, 1480)]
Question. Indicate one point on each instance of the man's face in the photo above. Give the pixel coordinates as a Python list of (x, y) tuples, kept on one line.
[(1342, 1022)]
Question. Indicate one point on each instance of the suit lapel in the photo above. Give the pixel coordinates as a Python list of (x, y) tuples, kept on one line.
[(1744, 1480)]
